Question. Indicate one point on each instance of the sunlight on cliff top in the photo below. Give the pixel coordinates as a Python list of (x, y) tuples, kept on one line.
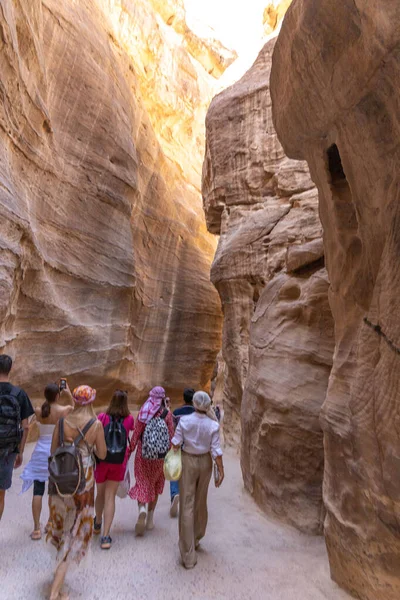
[(237, 24)]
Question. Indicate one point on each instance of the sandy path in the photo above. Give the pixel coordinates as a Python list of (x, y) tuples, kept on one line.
[(244, 555)]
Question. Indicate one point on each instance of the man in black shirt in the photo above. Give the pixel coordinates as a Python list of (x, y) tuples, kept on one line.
[(186, 409), (11, 447)]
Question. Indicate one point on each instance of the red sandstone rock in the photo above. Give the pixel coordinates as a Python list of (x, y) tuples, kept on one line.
[(334, 85), (105, 256), (277, 335)]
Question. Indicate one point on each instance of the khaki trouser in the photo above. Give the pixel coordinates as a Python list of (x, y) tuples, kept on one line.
[(193, 515)]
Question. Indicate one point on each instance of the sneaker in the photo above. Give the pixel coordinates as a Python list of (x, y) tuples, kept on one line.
[(150, 522), (141, 522), (173, 511), (105, 542)]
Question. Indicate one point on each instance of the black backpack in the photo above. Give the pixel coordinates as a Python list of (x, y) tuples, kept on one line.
[(10, 421), (116, 441), (67, 475)]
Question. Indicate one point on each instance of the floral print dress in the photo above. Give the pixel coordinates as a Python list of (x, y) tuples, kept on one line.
[(71, 519)]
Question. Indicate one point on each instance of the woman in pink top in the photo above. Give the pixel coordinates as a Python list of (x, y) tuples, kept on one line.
[(109, 475)]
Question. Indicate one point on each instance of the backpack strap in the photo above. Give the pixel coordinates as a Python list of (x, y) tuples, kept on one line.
[(84, 431), (61, 431)]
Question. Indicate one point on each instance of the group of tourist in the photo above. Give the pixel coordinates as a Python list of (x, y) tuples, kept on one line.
[(70, 430)]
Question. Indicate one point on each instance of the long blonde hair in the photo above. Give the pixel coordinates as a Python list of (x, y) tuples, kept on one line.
[(80, 415)]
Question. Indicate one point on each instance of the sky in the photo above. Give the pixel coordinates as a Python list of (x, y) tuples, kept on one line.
[(237, 23)]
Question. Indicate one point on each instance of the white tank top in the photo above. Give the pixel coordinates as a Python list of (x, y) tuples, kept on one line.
[(46, 429)]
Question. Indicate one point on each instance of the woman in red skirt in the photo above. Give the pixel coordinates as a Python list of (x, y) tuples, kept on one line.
[(108, 476), (149, 474)]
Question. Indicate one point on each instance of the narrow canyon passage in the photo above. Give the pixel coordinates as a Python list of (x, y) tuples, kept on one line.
[(244, 555), (205, 195)]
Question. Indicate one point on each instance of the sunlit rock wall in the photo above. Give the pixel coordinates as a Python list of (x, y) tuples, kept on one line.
[(274, 12), (269, 272), (334, 84), (104, 262)]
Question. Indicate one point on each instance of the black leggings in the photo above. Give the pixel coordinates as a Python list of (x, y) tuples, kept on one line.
[(38, 488)]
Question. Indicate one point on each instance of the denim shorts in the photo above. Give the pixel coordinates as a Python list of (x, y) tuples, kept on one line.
[(6, 470)]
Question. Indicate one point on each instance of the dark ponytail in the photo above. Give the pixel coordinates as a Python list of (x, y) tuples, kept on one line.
[(51, 392)]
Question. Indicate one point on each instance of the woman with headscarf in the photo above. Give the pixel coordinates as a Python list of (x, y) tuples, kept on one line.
[(71, 517), (149, 474), (198, 435)]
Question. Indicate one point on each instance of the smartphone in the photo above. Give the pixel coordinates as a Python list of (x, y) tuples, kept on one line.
[(63, 384)]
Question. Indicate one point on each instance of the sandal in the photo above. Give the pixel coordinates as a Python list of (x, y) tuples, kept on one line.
[(36, 535), (105, 542), (96, 527)]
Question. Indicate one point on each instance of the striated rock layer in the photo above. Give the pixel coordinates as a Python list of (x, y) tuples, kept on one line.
[(104, 263), (269, 272), (335, 79)]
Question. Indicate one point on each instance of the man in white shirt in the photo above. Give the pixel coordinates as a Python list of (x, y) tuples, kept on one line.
[(198, 435)]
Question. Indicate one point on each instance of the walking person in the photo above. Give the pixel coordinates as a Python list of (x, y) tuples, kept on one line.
[(111, 471), (71, 517), (152, 436), (199, 435), (186, 409), (36, 471), (15, 410)]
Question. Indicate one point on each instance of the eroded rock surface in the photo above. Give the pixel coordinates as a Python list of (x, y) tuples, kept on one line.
[(335, 79), (105, 256), (269, 272)]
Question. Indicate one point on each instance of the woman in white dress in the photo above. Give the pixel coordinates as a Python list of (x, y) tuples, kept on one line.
[(36, 471)]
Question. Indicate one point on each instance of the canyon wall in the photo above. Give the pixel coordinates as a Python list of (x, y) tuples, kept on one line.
[(334, 84), (269, 272), (105, 256)]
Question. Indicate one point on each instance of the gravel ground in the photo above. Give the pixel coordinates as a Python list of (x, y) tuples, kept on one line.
[(243, 556)]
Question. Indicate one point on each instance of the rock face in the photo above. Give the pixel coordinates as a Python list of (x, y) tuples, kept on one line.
[(104, 263), (269, 272), (336, 104)]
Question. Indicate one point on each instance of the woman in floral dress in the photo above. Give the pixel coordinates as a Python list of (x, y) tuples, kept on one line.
[(149, 474), (71, 518)]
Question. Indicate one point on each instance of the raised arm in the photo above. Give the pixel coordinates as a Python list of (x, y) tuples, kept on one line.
[(66, 395), (66, 410)]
